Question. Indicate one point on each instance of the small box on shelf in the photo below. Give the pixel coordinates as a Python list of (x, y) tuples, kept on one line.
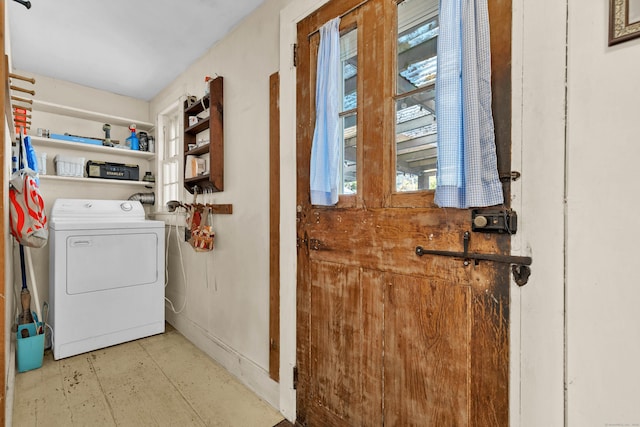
[(110, 170), (69, 165)]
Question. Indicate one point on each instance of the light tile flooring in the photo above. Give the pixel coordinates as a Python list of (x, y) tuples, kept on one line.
[(162, 380)]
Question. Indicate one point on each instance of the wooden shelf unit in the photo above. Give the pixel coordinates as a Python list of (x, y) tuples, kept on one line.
[(213, 101), (65, 110), (78, 180), (78, 146), (144, 159)]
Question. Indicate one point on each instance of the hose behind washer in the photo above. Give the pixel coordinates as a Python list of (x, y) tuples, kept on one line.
[(144, 198)]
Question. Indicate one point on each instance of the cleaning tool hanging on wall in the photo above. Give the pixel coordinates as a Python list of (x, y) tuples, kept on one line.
[(25, 315), (27, 218)]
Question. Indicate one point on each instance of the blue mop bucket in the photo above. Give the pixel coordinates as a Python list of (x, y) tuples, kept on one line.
[(30, 350)]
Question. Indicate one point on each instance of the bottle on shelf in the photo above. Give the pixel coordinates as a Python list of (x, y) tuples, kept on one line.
[(206, 84), (132, 142)]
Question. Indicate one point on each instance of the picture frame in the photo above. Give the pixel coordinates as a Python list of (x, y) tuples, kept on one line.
[(624, 20)]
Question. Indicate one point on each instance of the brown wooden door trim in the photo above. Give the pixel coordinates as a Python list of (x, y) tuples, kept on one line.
[(3, 234), (274, 227)]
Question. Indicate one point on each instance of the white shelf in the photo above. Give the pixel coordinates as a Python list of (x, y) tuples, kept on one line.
[(77, 179), (57, 143), (50, 107)]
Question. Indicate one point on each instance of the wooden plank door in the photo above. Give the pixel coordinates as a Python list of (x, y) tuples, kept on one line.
[(386, 337)]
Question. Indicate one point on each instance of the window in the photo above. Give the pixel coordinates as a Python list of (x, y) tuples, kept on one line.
[(416, 128), (348, 114), (169, 155), (387, 115)]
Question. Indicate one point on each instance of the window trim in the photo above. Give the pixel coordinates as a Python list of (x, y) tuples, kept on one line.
[(175, 108)]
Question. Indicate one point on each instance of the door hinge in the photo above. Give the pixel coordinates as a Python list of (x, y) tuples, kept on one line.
[(295, 377), (295, 54)]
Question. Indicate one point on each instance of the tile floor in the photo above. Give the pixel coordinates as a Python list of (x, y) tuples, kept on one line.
[(162, 380)]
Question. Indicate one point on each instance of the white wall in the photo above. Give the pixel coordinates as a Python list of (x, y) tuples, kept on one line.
[(537, 328), (227, 312), (576, 142), (603, 289)]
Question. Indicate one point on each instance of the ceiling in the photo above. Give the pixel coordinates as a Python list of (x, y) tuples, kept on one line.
[(129, 47)]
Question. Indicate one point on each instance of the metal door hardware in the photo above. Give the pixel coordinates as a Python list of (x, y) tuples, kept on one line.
[(520, 269), (494, 221), (521, 274), (26, 4), (511, 176), (313, 244)]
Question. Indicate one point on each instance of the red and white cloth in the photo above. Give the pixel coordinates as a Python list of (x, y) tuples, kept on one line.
[(27, 216)]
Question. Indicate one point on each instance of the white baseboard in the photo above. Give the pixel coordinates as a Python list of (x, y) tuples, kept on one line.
[(248, 372)]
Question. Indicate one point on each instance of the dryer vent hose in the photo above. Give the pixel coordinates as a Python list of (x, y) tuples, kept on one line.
[(144, 198)]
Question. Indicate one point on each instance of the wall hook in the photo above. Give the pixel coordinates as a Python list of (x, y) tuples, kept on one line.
[(26, 4)]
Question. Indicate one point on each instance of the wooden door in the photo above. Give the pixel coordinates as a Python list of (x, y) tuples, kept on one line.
[(386, 337)]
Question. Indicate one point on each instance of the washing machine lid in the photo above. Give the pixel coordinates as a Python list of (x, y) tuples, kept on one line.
[(91, 213)]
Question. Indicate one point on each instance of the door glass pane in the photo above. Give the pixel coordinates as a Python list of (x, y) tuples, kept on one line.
[(349, 60), (416, 128)]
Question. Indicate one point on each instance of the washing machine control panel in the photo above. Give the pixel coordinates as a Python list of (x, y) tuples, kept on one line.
[(78, 210)]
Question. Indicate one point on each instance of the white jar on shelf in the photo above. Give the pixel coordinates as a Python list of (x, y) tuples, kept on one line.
[(41, 157)]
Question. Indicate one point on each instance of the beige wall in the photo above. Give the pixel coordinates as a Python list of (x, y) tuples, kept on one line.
[(576, 141), (227, 290), (603, 292)]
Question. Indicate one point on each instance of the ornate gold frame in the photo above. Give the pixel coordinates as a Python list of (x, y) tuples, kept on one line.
[(620, 29)]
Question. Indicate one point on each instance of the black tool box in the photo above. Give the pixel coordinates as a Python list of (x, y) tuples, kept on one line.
[(110, 170)]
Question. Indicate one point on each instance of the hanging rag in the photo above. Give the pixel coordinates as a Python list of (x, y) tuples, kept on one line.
[(325, 149), (467, 173), (28, 219), (202, 235), (27, 216)]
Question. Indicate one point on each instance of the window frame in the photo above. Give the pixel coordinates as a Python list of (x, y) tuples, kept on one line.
[(171, 114)]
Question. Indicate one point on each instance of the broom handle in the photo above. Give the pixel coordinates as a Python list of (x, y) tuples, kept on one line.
[(23, 269), (25, 301), (34, 285)]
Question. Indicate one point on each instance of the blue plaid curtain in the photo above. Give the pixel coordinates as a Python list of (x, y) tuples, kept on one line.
[(467, 165), (325, 150)]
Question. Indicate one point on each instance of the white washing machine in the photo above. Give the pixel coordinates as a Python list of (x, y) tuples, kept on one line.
[(106, 274)]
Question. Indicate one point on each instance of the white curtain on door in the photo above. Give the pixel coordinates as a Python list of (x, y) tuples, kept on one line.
[(325, 150), (467, 164)]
